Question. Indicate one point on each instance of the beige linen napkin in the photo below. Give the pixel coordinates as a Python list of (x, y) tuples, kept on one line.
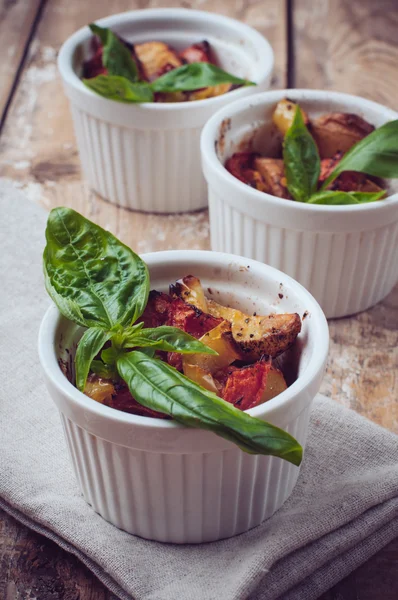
[(343, 509)]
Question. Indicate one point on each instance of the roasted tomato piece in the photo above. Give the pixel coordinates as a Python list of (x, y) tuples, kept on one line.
[(241, 165), (328, 165), (196, 53), (94, 66), (156, 312), (191, 319), (123, 400), (245, 386)]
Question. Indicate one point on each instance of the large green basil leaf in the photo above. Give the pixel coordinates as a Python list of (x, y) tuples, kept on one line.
[(301, 160), (119, 89), (158, 386), (193, 77), (376, 154), (336, 197), (116, 57), (93, 278), (88, 347), (168, 339)]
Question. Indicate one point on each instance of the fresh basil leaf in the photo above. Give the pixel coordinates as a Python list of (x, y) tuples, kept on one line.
[(159, 386), (116, 57), (336, 197), (193, 77), (88, 347), (110, 355), (120, 89), (88, 269), (101, 32), (67, 306), (301, 159), (169, 339), (376, 154), (102, 370)]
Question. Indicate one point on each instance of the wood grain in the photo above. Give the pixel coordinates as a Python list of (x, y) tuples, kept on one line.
[(17, 19), (335, 45), (347, 46)]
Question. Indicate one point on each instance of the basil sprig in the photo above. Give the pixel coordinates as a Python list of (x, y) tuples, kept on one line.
[(376, 154), (122, 82), (116, 57), (102, 285)]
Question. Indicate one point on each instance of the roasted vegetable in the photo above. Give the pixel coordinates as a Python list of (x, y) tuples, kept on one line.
[(245, 387), (202, 377), (241, 166), (338, 132), (259, 335), (199, 52), (99, 389), (191, 319), (222, 341), (255, 335), (190, 290), (284, 114), (157, 310), (272, 171), (210, 92), (276, 384), (156, 59)]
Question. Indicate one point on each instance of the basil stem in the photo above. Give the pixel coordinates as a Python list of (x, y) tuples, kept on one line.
[(89, 345)]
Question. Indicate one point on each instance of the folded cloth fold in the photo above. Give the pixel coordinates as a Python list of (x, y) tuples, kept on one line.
[(343, 509)]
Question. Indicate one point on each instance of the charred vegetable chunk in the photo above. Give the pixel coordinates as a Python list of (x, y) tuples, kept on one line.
[(284, 114), (222, 341), (199, 52), (245, 387), (272, 171), (338, 132), (259, 335), (254, 335), (156, 59), (156, 312), (241, 166)]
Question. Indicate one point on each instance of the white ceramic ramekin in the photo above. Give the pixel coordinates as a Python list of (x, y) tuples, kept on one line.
[(147, 156), (346, 256), (160, 480)]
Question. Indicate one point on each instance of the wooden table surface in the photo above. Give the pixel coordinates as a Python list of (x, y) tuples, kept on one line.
[(337, 45)]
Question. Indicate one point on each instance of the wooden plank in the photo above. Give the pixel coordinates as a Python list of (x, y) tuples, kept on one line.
[(38, 148), (351, 47), (347, 46), (16, 21)]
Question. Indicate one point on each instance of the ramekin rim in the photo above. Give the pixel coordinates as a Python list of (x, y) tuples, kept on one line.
[(209, 153), (52, 370), (64, 60)]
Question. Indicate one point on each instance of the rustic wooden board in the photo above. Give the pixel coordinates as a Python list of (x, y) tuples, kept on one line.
[(17, 20), (347, 46)]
